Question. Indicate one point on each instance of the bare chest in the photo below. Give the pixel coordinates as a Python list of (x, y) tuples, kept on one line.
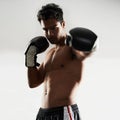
[(57, 59)]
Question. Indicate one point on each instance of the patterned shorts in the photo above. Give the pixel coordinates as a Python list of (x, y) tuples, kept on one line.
[(70, 112)]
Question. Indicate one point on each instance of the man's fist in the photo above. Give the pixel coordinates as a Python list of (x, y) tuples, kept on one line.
[(37, 45), (81, 39)]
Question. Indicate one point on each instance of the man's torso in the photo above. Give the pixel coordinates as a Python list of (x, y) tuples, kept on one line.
[(62, 77)]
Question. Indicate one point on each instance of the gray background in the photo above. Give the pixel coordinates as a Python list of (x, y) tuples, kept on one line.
[(98, 97)]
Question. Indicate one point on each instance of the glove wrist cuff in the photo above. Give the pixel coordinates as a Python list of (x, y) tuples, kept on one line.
[(68, 41)]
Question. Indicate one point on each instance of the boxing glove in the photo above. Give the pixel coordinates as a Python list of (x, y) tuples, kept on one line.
[(81, 39), (37, 45)]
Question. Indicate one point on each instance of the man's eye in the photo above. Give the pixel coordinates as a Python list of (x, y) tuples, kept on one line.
[(53, 28)]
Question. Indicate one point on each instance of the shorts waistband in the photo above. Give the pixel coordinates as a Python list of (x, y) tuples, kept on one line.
[(56, 109)]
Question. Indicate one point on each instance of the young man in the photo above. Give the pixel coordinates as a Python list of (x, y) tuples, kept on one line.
[(61, 70)]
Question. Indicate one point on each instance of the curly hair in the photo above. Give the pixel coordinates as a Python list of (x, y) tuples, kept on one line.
[(50, 10)]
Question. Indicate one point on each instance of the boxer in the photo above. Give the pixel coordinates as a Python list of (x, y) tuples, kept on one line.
[(61, 71)]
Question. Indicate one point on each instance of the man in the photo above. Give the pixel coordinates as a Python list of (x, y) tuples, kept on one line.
[(61, 70)]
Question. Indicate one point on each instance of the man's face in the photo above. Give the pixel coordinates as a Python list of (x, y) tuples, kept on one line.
[(54, 30)]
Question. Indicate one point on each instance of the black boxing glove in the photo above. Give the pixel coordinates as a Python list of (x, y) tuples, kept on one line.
[(37, 45), (82, 39)]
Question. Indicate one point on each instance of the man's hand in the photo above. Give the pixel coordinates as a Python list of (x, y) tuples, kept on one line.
[(82, 39), (37, 45)]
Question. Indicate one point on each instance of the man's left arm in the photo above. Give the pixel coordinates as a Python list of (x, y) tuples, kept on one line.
[(83, 41)]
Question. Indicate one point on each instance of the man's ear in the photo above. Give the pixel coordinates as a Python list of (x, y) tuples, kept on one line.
[(63, 24)]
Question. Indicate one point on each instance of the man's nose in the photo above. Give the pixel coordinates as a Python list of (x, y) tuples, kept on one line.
[(50, 33)]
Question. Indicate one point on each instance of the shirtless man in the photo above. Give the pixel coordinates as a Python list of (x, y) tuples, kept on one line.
[(62, 68)]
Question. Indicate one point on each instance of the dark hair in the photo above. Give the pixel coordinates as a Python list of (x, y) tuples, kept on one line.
[(50, 10)]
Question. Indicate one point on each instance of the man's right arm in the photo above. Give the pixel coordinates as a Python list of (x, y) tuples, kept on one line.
[(35, 74)]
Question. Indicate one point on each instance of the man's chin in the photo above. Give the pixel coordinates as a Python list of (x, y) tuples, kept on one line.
[(52, 41)]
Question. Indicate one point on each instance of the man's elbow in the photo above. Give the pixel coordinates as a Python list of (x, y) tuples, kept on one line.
[(33, 85)]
